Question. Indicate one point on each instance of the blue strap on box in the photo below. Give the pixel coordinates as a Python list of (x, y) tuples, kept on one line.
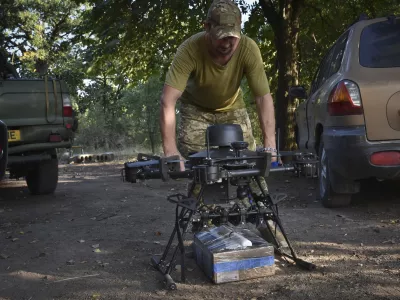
[(243, 264)]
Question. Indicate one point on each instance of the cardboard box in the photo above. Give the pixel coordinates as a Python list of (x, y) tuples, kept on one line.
[(228, 254)]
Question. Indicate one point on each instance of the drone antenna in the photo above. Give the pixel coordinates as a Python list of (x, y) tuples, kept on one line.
[(208, 143), (277, 146)]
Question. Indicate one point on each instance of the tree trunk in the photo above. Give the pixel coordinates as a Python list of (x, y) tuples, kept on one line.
[(150, 131), (284, 21), (149, 119)]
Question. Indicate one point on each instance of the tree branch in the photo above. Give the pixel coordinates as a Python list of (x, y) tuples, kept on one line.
[(12, 43), (56, 29), (273, 18), (319, 11), (297, 4), (27, 34), (282, 5)]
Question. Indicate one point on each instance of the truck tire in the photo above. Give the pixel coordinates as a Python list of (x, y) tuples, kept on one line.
[(328, 197), (43, 179)]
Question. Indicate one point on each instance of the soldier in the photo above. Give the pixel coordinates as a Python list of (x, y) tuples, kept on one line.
[(205, 76)]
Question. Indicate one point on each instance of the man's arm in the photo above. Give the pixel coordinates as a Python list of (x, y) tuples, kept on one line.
[(266, 115), (169, 98), (259, 85)]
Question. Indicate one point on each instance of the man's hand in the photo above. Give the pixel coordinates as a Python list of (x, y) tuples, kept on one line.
[(266, 115), (182, 160), (169, 98)]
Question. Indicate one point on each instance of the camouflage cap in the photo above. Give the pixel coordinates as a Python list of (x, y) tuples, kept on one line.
[(225, 19)]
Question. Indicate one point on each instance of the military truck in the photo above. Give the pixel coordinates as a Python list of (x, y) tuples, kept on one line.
[(39, 119)]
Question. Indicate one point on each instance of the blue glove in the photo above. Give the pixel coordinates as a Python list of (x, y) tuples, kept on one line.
[(274, 164)]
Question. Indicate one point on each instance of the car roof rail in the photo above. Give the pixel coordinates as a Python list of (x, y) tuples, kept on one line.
[(363, 17), (392, 19)]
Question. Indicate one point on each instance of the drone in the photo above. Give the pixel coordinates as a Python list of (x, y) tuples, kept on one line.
[(220, 176)]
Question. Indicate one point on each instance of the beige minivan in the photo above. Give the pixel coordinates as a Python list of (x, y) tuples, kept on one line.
[(351, 115)]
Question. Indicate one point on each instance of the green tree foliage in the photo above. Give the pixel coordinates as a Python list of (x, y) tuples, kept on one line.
[(123, 48), (143, 103), (143, 34), (40, 34), (8, 18), (116, 118)]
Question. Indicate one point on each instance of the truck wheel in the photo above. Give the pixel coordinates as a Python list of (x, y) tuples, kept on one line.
[(326, 176), (43, 178)]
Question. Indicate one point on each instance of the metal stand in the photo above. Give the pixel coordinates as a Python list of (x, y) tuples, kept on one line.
[(185, 207), (277, 233), (217, 171), (264, 212)]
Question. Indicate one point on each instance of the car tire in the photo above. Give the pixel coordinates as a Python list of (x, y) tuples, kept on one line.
[(3, 162), (328, 197), (43, 179)]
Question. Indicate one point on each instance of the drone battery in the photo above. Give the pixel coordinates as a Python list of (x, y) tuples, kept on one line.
[(227, 254)]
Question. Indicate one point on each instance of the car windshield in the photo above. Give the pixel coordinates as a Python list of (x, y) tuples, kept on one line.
[(380, 45)]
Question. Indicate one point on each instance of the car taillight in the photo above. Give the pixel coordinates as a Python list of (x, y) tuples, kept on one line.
[(67, 106), (386, 158), (67, 111), (55, 137), (345, 99)]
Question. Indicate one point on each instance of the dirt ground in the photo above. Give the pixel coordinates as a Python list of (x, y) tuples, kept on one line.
[(94, 237)]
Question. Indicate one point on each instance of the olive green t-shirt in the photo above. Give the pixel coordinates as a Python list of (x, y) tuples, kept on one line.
[(210, 86)]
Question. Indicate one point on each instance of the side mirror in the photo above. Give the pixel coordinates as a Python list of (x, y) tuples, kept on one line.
[(298, 91)]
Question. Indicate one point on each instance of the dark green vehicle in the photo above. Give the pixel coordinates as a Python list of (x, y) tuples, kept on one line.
[(39, 119)]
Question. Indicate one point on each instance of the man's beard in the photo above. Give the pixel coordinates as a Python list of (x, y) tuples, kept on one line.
[(225, 51)]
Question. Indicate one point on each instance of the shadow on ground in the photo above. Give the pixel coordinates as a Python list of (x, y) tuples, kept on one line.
[(93, 239)]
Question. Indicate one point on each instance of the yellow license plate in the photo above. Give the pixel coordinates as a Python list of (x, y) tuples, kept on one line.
[(14, 136)]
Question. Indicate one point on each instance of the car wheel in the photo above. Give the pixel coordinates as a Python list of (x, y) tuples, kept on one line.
[(329, 198), (43, 179)]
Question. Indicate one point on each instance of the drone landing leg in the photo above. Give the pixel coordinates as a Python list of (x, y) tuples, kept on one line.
[(278, 227), (183, 217)]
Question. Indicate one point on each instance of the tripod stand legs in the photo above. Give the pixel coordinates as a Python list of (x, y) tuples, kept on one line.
[(165, 266), (277, 241)]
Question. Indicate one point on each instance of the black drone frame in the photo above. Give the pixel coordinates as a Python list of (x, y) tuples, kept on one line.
[(238, 167)]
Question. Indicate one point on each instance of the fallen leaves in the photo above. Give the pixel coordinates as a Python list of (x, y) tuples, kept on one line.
[(391, 221)]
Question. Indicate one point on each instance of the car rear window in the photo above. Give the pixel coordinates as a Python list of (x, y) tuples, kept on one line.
[(380, 45)]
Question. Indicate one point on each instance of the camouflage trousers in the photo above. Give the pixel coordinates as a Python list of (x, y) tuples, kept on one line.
[(192, 132), (194, 123)]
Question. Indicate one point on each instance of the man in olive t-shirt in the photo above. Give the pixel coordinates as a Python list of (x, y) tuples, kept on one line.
[(205, 76)]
